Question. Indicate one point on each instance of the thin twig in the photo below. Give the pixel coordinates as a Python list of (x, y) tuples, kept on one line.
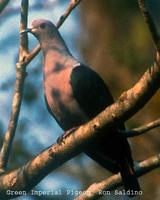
[(71, 6), (98, 189), (36, 50), (32, 54), (3, 4), (151, 25), (18, 91), (142, 129)]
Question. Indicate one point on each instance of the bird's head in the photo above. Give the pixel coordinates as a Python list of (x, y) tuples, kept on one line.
[(42, 29)]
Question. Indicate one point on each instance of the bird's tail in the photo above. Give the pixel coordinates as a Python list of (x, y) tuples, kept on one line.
[(129, 178)]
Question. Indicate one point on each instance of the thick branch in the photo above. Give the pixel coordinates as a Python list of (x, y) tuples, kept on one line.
[(18, 91), (3, 4), (127, 105), (111, 183), (132, 100), (36, 50)]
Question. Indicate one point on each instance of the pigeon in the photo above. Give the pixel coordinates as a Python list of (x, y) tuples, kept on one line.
[(75, 94)]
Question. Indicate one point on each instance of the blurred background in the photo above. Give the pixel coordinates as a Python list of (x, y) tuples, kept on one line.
[(109, 36)]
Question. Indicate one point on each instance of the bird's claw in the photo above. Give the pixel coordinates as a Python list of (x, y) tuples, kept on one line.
[(65, 135)]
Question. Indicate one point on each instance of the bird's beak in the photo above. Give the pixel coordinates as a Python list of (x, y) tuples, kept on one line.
[(27, 30)]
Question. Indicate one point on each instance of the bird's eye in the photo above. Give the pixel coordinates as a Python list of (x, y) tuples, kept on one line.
[(42, 26)]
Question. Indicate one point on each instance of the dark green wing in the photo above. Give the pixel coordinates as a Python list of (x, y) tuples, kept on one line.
[(90, 90)]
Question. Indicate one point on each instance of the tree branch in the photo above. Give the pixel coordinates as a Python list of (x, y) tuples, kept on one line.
[(3, 4), (142, 129), (71, 6), (18, 91), (36, 50), (150, 23), (96, 190)]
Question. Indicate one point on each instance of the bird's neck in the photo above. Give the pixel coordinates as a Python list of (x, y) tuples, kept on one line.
[(56, 43), (56, 55)]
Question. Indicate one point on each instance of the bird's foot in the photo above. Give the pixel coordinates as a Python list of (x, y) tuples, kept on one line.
[(66, 134)]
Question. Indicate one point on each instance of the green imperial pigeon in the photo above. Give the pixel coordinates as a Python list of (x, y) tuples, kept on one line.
[(75, 94)]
